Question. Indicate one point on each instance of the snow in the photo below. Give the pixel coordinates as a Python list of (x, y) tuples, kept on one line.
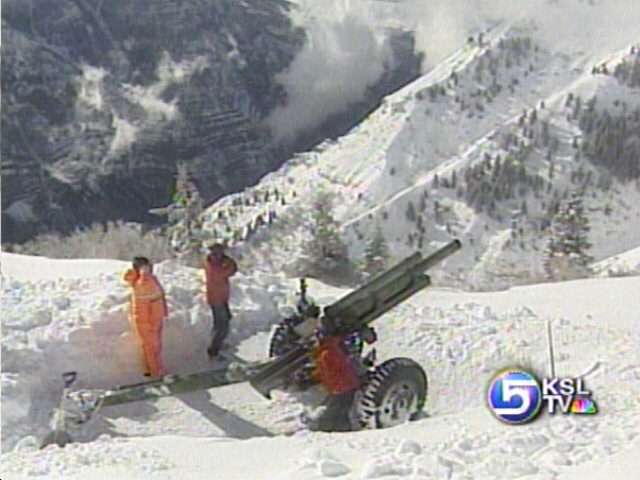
[(27, 268), (618, 465), (628, 261), (60, 315), (460, 338)]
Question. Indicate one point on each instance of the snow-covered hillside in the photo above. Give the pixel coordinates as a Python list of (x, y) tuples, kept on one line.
[(482, 148), (627, 263), (500, 99), (63, 315)]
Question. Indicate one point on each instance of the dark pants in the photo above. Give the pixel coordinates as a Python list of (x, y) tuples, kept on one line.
[(336, 417), (221, 318)]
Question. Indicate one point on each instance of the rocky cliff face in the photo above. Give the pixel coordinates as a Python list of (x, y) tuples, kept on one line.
[(101, 100)]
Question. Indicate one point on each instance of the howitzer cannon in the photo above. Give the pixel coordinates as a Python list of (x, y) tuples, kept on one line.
[(390, 393)]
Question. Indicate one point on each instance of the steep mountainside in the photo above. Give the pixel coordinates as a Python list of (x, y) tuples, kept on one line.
[(483, 147), (101, 100)]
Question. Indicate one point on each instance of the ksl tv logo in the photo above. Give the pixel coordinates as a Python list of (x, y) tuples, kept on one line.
[(516, 396)]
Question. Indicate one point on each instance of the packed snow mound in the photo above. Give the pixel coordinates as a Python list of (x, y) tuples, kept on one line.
[(28, 268), (461, 339)]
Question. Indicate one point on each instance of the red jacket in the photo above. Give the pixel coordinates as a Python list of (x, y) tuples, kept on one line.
[(334, 367), (217, 273)]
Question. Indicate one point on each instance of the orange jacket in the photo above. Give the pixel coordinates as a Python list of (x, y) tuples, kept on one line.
[(217, 273), (334, 368), (148, 302)]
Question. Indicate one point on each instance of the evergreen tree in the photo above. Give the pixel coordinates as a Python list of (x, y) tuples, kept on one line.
[(376, 255), (184, 228), (423, 203), (325, 252), (566, 255), (411, 212)]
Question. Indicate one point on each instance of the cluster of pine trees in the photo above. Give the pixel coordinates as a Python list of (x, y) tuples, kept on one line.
[(417, 238), (566, 254), (512, 53), (185, 230), (494, 180), (325, 255), (267, 202), (376, 256), (628, 71), (611, 139)]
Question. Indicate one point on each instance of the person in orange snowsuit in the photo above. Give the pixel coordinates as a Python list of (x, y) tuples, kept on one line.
[(148, 310), (218, 267)]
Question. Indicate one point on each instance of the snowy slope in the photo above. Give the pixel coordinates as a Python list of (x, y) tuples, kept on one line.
[(461, 339), (63, 315), (450, 120), (625, 263)]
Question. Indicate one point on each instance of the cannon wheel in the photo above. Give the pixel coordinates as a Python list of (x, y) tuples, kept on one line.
[(284, 337), (394, 394)]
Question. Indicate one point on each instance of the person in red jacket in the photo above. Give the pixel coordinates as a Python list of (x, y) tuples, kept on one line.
[(218, 267), (334, 368), (335, 371)]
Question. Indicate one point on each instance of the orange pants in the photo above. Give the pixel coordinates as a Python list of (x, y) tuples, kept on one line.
[(150, 336)]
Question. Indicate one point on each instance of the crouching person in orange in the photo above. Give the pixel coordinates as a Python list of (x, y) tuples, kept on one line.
[(148, 311), (335, 371)]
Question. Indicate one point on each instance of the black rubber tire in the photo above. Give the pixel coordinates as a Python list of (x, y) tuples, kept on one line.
[(401, 379), (284, 337), (59, 437)]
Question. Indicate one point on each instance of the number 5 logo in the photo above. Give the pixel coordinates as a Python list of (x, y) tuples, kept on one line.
[(510, 390), (505, 390)]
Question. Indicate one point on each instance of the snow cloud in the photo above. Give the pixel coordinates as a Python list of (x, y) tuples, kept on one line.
[(345, 50), (340, 59)]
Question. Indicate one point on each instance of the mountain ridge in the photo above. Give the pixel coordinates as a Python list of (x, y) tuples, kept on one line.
[(541, 154)]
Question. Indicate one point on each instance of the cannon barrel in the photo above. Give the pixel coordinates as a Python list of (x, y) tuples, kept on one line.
[(361, 304), (438, 256)]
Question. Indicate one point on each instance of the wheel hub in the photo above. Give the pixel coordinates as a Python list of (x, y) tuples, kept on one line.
[(398, 405)]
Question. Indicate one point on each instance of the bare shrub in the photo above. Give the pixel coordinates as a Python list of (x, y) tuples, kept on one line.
[(114, 240)]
